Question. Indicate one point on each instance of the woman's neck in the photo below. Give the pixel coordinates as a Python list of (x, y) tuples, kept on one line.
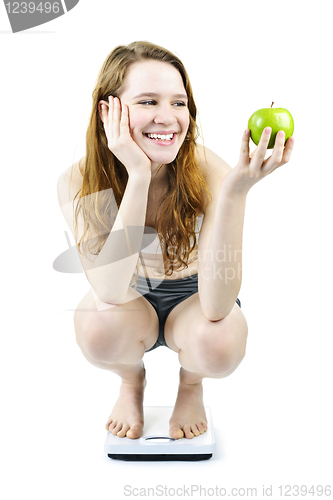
[(159, 175)]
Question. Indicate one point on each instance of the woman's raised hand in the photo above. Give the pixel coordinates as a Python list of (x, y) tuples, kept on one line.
[(115, 117), (252, 168)]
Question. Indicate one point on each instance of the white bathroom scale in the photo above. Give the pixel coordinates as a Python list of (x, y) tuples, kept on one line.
[(156, 444)]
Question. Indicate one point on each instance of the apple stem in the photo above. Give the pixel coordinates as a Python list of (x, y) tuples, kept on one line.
[(272, 104)]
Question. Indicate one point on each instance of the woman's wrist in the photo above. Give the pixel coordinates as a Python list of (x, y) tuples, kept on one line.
[(234, 193), (140, 177)]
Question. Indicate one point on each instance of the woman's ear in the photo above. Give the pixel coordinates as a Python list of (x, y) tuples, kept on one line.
[(100, 108)]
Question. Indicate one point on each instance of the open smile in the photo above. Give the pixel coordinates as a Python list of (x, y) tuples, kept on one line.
[(162, 139)]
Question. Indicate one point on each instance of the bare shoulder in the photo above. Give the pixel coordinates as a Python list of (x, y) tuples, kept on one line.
[(213, 169), (70, 182), (210, 163)]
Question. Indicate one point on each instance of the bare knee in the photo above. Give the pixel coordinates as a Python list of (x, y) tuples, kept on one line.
[(96, 337), (220, 347), (113, 335)]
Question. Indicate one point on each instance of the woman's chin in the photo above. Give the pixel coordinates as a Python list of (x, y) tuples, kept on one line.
[(162, 159)]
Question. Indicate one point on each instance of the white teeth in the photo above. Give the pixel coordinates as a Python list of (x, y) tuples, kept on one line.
[(161, 137)]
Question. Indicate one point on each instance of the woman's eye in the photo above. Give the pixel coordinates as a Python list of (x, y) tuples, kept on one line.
[(148, 102), (153, 103)]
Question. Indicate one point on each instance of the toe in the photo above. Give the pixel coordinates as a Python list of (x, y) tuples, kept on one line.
[(122, 432), (176, 432), (108, 424), (188, 433), (204, 425), (200, 428), (112, 425), (195, 430), (116, 429), (134, 432)]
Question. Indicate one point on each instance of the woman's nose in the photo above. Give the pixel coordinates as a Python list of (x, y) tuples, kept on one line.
[(165, 115)]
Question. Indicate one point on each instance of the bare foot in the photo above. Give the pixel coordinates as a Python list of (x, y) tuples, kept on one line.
[(126, 418), (189, 417)]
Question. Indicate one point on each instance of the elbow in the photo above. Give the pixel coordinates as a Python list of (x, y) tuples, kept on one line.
[(104, 297), (214, 313), (217, 304), (104, 292), (108, 288)]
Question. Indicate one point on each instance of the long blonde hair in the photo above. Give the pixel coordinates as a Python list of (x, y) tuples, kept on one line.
[(184, 199)]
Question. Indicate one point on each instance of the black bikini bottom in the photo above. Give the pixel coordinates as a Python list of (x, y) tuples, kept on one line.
[(166, 295)]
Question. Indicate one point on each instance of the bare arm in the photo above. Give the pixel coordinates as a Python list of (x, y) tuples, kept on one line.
[(111, 271), (220, 273), (220, 241)]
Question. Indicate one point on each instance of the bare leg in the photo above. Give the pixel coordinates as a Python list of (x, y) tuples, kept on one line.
[(116, 339), (189, 416), (211, 349), (126, 418)]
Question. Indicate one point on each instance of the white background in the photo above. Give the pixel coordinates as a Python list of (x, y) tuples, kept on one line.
[(273, 416)]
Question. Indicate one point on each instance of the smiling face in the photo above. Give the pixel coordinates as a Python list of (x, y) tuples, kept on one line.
[(159, 117)]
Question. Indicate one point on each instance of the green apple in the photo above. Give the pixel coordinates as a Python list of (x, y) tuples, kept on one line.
[(276, 118)]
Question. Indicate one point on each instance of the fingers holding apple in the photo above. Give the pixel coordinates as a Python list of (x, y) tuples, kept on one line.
[(289, 146), (258, 156), (254, 160), (276, 118), (252, 167), (281, 153), (281, 124), (245, 148)]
